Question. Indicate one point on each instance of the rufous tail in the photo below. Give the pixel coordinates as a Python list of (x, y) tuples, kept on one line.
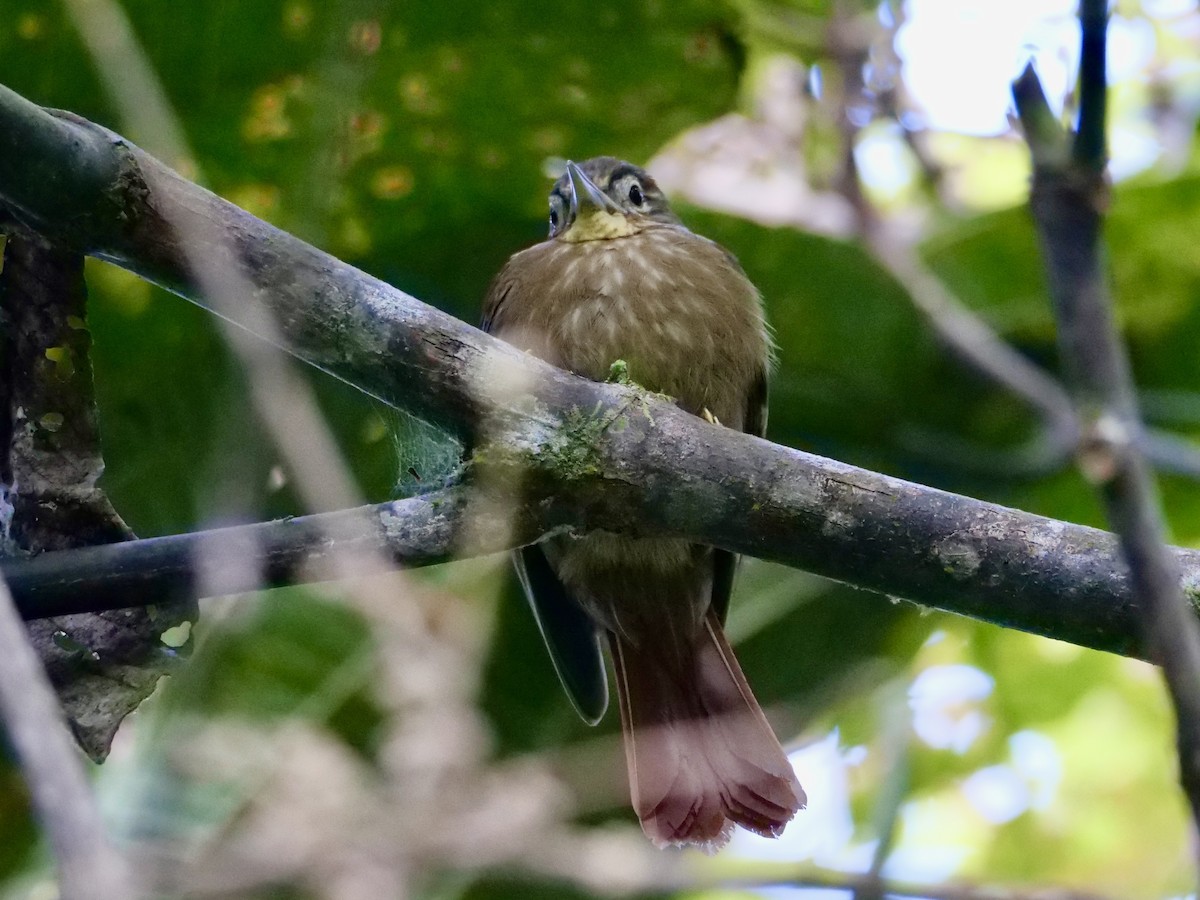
[(700, 752)]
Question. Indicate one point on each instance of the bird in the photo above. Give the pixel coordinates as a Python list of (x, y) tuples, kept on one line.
[(621, 278)]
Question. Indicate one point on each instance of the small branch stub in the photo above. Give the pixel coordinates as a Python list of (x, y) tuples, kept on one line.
[(1067, 198), (1104, 443)]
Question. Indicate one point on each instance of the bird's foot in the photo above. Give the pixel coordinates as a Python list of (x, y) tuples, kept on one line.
[(709, 417)]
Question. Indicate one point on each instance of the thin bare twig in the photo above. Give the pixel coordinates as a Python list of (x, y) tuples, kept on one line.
[(894, 738), (562, 860), (897, 890), (1068, 195), (1170, 452), (970, 338), (964, 333), (281, 399), (849, 47), (974, 341), (893, 102)]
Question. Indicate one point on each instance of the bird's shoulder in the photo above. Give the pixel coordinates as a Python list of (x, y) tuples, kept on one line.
[(679, 237), (510, 278)]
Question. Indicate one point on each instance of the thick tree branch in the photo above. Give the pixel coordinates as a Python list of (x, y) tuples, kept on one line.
[(419, 531), (1068, 196), (586, 455), (955, 553)]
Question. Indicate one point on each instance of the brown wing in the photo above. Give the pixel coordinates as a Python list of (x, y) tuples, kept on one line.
[(756, 406), (725, 562), (513, 311), (493, 305), (571, 638)]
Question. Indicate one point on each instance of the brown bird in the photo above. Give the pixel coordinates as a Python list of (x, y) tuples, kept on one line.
[(621, 278)]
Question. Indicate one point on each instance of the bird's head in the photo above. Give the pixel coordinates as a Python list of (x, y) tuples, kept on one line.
[(604, 198)]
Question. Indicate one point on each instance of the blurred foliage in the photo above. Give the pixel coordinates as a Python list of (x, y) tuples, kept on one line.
[(415, 142), (20, 833)]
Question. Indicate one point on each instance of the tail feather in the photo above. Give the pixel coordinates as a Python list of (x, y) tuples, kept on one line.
[(700, 752)]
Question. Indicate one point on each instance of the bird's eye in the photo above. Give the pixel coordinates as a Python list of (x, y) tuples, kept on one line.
[(557, 214), (635, 194)]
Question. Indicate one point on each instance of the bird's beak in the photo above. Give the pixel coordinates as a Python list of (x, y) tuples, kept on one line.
[(586, 198), (593, 215)]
